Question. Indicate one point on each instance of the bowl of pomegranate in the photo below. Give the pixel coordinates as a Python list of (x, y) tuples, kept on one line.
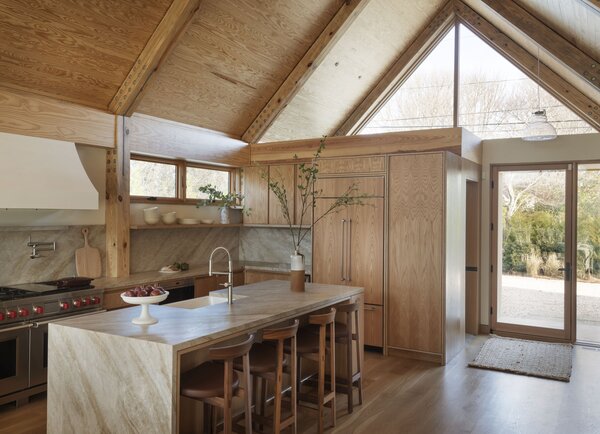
[(145, 296)]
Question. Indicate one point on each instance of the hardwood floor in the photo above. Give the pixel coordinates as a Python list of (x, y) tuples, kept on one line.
[(409, 396)]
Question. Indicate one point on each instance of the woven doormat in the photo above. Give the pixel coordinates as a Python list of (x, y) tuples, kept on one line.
[(533, 358)]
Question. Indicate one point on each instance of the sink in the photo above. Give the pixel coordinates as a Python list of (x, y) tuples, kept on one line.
[(209, 300)]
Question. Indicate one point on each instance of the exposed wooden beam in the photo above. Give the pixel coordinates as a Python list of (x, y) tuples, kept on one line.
[(34, 115), (400, 71), (593, 3), (560, 88), (584, 65), (156, 50), (342, 20)]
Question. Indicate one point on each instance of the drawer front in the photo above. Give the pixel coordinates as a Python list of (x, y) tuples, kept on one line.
[(335, 187), (373, 315), (351, 165)]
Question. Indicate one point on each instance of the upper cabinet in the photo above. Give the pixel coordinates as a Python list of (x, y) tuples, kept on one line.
[(264, 205)]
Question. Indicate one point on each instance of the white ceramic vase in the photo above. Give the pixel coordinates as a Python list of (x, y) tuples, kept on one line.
[(297, 271), (224, 215)]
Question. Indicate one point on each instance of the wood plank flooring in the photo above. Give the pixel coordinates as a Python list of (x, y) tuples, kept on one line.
[(409, 396)]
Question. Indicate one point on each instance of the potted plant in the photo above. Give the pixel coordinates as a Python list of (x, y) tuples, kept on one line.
[(307, 178), (217, 198)]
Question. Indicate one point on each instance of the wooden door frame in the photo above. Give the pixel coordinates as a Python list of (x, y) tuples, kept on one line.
[(566, 335)]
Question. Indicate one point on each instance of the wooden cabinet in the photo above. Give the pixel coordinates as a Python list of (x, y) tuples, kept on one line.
[(256, 195), (204, 284), (285, 174), (254, 276), (348, 246), (373, 325), (426, 255)]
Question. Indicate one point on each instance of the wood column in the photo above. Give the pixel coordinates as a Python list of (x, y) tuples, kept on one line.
[(117, 203)]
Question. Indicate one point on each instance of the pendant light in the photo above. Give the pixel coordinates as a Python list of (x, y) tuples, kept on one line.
[(538, 128)]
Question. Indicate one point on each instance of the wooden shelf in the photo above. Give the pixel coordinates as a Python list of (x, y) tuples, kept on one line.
[(252, 225), (178, 226)]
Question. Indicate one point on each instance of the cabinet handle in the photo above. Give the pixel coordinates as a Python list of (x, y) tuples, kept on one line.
[(350, 250), (343, 249)]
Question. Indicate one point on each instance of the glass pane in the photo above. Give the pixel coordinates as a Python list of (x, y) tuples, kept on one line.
[(496, 98), (197, 177), (153, 179), (588, 253), (425, 99), (532, 229)]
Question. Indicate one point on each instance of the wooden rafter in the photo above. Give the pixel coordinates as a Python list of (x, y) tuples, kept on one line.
[(560, 88), (593, 3), (342, 20), (156, 50), (408, 61), (584, 65)]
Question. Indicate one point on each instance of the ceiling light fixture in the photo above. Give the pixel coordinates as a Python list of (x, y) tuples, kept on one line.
[(538, 128)]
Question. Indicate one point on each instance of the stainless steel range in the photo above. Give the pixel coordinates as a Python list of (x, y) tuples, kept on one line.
[(25, 311)]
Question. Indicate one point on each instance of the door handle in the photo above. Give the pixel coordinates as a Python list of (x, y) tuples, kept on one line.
[(566, 270), (343, 249), (350, 250)]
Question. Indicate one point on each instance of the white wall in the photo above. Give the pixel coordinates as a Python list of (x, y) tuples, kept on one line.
[(94, 163), (581, 147)]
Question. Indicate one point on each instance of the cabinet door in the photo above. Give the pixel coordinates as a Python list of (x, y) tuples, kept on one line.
[(256, 192), (416, 216), (365, 248), (285, 175), (329, 249), (373, 325)]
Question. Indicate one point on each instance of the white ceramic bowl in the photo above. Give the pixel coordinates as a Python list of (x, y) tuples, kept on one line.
[(188, 221), (169, 218), (151, 215), (207, 221), (145, 318)]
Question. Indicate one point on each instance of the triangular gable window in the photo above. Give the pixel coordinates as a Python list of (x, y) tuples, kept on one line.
[(495, 97)]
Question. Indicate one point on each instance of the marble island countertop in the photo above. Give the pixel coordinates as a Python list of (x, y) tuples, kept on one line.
[(258, 305), (147, 277)]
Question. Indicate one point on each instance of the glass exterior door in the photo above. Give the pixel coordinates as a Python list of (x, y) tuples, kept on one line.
[(531, 250)]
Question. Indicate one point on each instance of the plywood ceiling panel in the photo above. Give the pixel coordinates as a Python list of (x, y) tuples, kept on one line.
[(232, 58), (575, 20), (74, 50), (364, 53)]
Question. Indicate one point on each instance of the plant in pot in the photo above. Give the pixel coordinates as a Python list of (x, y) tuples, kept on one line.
[(217, 198), (308, 196)]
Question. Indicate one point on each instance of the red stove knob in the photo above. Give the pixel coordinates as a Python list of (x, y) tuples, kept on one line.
[(95, 300), (1, 316), (38, 309), (77, 302), (11, 314), (86, 301), (23, 312), (64, 305)]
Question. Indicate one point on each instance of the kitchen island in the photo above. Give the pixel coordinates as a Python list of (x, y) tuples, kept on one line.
[(106, 374)]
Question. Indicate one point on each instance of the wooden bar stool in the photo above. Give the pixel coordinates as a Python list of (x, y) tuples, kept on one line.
[(312, 346), (344, 335), (215, 384), (267, 362)]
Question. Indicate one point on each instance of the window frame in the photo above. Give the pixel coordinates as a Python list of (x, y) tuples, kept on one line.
[(181, 177)]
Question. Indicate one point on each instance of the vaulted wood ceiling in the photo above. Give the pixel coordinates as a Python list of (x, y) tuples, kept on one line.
[(227, 65), (74, 50)]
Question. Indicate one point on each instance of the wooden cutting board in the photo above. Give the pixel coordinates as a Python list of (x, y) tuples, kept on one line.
[(87, 259)]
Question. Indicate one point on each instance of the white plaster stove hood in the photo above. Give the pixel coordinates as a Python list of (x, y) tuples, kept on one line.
[(38, 173)]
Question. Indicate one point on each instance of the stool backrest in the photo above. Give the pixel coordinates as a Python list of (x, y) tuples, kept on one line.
[(281, 332), (323, 318), (231, 352)]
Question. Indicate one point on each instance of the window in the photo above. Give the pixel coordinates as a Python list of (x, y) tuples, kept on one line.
[(495, 98), (174, 181)]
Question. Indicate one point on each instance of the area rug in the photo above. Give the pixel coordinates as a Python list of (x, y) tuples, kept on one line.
[(533, 358)]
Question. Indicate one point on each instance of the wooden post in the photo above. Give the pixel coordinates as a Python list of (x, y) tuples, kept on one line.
[(117, 204)]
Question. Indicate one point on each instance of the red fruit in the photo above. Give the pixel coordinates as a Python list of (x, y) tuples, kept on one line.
[(130, 293), (156, 292)]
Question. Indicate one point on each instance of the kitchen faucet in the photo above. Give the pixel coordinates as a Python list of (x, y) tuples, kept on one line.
[(229, 284)]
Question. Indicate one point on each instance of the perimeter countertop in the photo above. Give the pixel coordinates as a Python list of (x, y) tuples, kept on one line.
[(263, 304), (147, 277)]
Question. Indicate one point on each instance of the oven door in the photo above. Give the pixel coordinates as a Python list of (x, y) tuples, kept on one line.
[(14, 359), (38, 354)]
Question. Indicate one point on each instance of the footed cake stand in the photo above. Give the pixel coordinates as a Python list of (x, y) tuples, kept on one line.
[(145, 318)]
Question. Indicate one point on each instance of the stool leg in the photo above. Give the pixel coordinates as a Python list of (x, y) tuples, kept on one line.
[(321, 386), (349, 367), (293, 385), (358, 362), (248, 397), (278, 387), (227, 398), (206, 417), (263, 400), (332, 371)]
